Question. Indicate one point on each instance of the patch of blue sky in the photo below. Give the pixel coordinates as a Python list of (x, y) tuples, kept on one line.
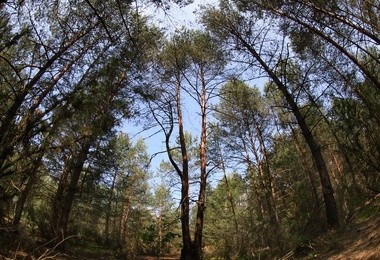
[(171, 20)]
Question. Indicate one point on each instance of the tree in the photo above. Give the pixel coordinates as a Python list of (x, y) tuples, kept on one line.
[(229, 24), (245, 130), (56, 78), (131, 195), (84, 132), (344, 28), (23, 113), (166, 221), (225, 238), (37, 63), (191, 63)]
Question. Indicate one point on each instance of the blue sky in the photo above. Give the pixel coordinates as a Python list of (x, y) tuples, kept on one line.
[(176, 17)]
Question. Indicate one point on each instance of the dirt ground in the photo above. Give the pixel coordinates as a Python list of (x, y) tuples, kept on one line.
[(360, 241)]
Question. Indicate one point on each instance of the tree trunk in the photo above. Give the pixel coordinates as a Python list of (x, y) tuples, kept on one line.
[(123, 222), (24, 195), (109, 208), (260, 203), (264, 181), (59, 199), (327, 189), (198, 234), (268, 176), (187, 244), (312, 177), (72, 171), (230, 197)]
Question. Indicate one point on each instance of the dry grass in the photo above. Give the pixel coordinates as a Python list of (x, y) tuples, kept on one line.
[(360, 242)]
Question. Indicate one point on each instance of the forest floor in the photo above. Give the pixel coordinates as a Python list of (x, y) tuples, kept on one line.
[(356, 241)]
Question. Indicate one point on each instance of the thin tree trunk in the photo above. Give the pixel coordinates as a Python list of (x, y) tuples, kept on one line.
[(25, 193), (327, 189), (59, 198), (229, 196), (269, 179), (160, 234), (33, 172), (198, 236), (264, 183), (260, 204), (123, 222), (236, 237), (306, 167), (109, 208)]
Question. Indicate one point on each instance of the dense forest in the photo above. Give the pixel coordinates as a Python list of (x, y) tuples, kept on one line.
[(267, 113)]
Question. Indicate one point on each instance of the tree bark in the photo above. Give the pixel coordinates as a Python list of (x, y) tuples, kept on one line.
[(187, 251), (123, 221), (255, 184)]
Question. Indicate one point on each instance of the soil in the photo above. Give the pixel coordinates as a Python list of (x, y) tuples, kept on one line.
[(358, 241)]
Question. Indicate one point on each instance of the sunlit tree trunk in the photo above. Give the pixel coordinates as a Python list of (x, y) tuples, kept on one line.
[(187, 251), (198, 236)]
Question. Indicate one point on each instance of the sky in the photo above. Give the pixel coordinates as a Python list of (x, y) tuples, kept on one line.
[(177, 17), (174, 18)]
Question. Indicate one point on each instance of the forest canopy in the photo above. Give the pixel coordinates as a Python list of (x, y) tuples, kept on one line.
[(266, 114)]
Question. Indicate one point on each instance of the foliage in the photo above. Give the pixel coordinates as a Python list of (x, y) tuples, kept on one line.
[(285, 95)]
